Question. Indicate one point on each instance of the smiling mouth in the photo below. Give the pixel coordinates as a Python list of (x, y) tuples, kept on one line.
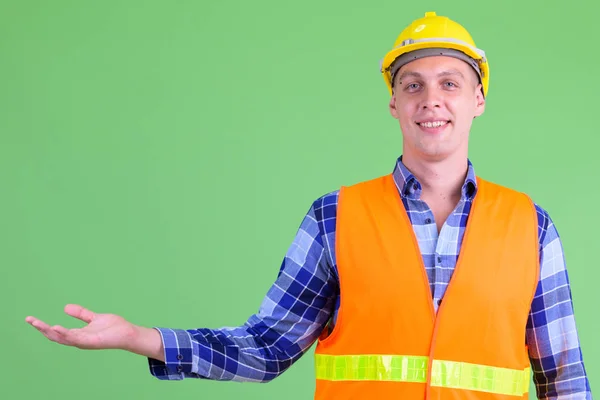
[(433, 124)]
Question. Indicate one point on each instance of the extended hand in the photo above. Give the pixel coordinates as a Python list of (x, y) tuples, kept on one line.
[(103, 331)]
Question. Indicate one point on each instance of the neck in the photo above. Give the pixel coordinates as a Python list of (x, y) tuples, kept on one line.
[(440, 180)]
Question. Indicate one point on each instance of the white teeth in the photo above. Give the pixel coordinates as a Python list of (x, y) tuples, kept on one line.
[(435, 124)]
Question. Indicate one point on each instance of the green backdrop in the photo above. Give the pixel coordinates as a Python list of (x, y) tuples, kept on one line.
[(157, 158)]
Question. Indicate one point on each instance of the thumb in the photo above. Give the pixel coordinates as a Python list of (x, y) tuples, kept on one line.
[(79, 312)]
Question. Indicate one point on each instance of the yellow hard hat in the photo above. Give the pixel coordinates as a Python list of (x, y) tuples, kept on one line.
[(434, 35)]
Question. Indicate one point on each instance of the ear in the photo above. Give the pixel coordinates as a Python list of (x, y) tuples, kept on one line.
[(480, 101), (392, 106)]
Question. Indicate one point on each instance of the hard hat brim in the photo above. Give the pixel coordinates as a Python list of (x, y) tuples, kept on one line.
[(474, 53)]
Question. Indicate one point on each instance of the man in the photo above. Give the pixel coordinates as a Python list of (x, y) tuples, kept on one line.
[(429, 282)]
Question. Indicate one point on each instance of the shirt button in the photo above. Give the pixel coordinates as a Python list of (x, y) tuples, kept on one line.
[(428, 221), (439, 259), (179, 357), (179, 369)]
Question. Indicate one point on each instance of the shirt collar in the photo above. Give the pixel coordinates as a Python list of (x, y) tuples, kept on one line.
[(409, 186)]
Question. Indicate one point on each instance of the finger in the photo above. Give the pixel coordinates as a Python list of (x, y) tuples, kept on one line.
[(74, 337), (37, 324), (64, 335), (79, 312), (45, 329), (60, 330)]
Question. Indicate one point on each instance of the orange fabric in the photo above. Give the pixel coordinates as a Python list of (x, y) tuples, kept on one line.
[(386, 303)]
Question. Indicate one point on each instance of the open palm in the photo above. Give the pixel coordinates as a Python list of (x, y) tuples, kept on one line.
[(103, 331)]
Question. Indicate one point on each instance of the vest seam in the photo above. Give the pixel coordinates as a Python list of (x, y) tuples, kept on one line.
[(341, 311), (457, 269)]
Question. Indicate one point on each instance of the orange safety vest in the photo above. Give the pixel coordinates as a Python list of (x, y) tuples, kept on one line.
[(388, 343)]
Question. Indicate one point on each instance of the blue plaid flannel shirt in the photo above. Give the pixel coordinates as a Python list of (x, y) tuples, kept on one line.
[(304, 301)]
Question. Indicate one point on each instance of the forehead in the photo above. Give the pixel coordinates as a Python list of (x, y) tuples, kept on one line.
[(436, 65)]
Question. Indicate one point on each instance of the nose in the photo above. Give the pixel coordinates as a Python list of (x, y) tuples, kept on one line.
[(431, 99)]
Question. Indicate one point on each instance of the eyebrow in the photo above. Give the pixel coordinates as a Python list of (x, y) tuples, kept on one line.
[(415, 74)]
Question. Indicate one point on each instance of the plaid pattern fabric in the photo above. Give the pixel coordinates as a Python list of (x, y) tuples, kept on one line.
[(303, 301)]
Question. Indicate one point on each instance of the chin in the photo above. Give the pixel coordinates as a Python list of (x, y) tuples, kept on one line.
[(435, 153)]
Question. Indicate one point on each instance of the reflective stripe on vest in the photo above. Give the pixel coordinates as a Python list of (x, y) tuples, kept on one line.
[(448, 374)]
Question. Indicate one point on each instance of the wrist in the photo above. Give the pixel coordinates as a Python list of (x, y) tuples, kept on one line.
[(147, 342)]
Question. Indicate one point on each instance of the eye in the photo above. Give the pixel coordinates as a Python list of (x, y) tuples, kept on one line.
[(449, 84), (411, 87)]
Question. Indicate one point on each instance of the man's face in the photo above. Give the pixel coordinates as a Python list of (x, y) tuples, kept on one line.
[(435, 100)]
